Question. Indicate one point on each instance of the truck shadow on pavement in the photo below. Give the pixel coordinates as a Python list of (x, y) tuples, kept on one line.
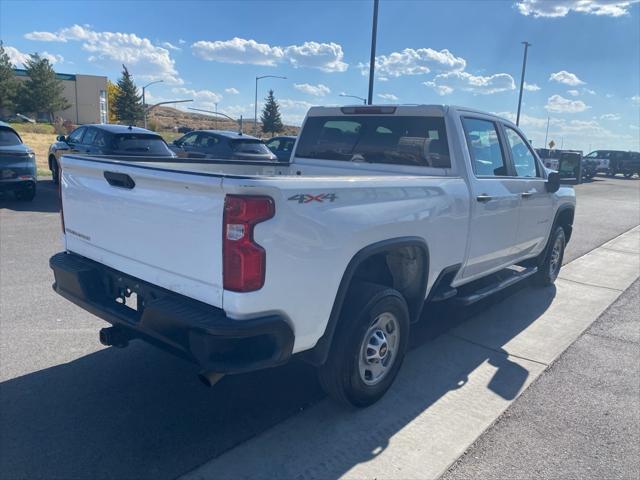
[(140, 413)]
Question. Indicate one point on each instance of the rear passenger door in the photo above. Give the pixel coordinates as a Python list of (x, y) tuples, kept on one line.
[(495, 200), (536, 208)]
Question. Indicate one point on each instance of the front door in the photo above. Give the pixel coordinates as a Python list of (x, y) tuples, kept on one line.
[(495, 201), (536, 208)]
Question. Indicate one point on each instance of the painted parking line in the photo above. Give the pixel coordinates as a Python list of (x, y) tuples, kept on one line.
[(449, 391)]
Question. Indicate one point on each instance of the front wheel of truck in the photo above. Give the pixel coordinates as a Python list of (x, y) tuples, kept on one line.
[(550, 264), (368, 347)]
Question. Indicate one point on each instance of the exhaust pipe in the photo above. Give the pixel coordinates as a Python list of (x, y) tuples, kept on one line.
[(113, 337), (210, 378)]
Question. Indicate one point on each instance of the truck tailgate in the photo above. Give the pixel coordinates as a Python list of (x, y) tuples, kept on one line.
[(166, 229)]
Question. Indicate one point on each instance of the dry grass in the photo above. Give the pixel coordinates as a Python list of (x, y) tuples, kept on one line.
[(40, 142)]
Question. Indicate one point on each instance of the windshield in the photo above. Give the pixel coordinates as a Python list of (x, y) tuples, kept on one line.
[(8, 138), (418, 141), (250, 146), (140, 144)]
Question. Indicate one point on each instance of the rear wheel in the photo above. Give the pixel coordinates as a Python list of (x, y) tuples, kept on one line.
[(27, 194), (551, 262), (54, 170), (368, 347)]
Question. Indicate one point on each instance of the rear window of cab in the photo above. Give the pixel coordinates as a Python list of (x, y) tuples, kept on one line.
[(399, 140)]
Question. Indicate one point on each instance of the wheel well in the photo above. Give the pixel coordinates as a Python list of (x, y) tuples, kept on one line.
[(400, 263), (565, 220)]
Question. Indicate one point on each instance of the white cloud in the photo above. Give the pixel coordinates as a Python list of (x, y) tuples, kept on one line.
[(589, 91), (531, 87), (145, 60), (181, 41), (289, 104), (567, 78), (202, 96), (560, 8), (388, 96), (19, 58), (446, 83), (415, 62), (559, 104), (634, 127), (635, 100), (319, 90), (327, 57), (610, 116), (170, 46), (573, 93), (231, 91)]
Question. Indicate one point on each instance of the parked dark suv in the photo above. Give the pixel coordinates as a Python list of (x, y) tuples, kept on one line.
[(222, 145), (613, 162), (282, 146), (17, 165), (102, 139)]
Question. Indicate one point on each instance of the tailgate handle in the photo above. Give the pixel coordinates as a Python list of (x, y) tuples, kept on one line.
[(121, 180)]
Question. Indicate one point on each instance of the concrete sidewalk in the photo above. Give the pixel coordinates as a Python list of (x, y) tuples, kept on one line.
[(581, 419), (449, 391)]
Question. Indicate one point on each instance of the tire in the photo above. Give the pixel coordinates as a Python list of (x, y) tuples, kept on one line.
[(26, 195), (550, 264), (369, 345), (628, 174), (54, 171)]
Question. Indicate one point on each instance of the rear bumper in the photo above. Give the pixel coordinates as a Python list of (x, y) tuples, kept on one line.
[(17, 184), (185, 327)]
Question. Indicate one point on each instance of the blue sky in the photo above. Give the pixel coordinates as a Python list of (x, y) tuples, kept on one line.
[(583, 69)]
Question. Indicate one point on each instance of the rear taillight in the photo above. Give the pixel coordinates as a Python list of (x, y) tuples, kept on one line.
[(244, 261)]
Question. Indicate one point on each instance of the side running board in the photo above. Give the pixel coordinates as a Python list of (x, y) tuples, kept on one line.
[(500, 284)]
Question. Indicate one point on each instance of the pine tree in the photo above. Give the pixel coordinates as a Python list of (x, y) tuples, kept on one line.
[(270, 118), (8, 82), (42, 92), (128, 103)]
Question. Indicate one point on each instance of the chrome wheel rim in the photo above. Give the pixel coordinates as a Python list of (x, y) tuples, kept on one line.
[(379, 348), (556, 254)]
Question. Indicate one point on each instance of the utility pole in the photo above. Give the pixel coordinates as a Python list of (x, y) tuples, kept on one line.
[(524, 66), (547, 134), (372, 61)]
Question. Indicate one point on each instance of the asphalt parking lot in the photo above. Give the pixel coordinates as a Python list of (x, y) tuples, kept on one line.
[(70, 408)]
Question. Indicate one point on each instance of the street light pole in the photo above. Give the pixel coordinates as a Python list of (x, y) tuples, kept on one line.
[(364, 100), (372, 60), (255, 103), (546, 135), (524, 66), (144, 103)]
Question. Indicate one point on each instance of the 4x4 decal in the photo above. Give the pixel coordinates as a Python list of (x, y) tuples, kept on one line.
[(307, 197)]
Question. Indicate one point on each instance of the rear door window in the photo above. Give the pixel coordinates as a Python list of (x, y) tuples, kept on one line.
[(484, 147), (399, 140)]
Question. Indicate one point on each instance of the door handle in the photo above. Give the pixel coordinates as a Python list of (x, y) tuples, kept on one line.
[(121, 180), (484, 198), (526, 194)]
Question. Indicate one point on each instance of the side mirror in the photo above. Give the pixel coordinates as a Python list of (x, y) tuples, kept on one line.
[(177, 143), (553, 182), (61, 138)]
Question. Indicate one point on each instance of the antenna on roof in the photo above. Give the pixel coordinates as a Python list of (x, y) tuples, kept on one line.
[(130, 127)]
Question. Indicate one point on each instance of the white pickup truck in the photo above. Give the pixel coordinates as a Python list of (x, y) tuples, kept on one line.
[(239, 266)]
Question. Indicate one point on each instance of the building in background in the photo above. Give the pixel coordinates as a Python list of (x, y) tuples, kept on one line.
[(87, 95)]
